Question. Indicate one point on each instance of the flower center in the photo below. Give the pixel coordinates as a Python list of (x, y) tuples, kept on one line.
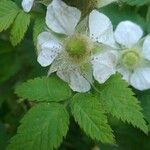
[(78, 47), (130, 58)]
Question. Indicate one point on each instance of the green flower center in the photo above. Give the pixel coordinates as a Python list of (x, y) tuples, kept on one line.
[(78, 47), (130, 58)]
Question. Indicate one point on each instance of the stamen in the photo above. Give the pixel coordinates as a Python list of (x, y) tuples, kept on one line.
[(130, 58), (78, 47)]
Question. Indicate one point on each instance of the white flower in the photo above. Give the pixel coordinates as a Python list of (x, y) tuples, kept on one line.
[(27, 5), (73, 57), (134, 62)]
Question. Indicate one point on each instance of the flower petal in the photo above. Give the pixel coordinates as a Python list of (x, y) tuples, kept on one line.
[(125, 73), (102, 3), (140, 79), (128, 33), (101, 29), (60, 62), (27, 5), (48, 49), (104, 65), (146, 48), (62, 18), (76, 81)]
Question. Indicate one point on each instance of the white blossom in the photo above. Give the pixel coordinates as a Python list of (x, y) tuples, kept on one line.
[(77, 55), (134, 62)]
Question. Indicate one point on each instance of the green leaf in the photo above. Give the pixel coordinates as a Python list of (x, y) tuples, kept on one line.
[(148, 26), (19, 27), (5, 47), (118, 14), (148, 18), (119, 100), (8, 12), (3, 137), (42, 128), (144, 98), (10, 65), (89, 114), (39, 27), (44, 89), (136, 2)]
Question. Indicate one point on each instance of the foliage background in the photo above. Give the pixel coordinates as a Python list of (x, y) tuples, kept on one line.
[(18, 64)]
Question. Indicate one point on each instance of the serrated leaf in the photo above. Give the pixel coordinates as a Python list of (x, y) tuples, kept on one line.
[(136, 2), (39, 26), (44, 89), (8, 12), (42, 128), (19, 27), (119, 100), (89, 114), (144, 98)]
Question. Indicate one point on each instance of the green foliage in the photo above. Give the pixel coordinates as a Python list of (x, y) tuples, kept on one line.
[(9, 61), (5, 47), (119, 100), (19, 27), (8, 12), (44, 89), (144, 98), (148, 26), (89, 114), (127, 137), (148, 19), (136, 2), (42, 128), (39, 26), (3, 137), (118, 14)]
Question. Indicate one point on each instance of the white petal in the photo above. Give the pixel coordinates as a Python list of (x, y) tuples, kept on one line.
[(146, 48), (104, 65), (140, 79), (64, 74), (79, 83), (128, 33), (125, 73), (62, 18), (102, 3), (54, 66), (101, 29), (76, 81), (60, 63), (48, 49), (27, 5)]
